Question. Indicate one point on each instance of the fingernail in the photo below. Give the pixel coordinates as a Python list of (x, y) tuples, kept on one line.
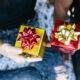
[(20, 51)]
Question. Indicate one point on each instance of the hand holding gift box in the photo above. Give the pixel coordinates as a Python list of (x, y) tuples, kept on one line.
[(65, 37), (31, 41)]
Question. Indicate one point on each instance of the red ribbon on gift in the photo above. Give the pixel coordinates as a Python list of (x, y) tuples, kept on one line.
[(28, 38)]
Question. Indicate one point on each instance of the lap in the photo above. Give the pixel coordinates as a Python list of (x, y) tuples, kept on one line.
[(29, 73)]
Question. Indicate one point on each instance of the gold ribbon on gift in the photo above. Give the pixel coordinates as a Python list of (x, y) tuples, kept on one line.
[(66, 33)]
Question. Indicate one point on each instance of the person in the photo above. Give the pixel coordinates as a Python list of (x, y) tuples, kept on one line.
[(61, 8), (10, 32), (12, 14)]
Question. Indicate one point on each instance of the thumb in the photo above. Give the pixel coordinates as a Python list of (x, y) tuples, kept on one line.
[(79, 43), (18, 50)]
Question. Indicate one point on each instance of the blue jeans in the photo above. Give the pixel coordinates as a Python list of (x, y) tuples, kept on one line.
[(27, 73)]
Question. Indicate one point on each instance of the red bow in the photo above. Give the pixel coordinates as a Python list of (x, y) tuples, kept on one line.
[(28, 38)]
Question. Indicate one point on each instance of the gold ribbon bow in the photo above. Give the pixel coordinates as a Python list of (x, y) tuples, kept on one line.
[(66, 33)]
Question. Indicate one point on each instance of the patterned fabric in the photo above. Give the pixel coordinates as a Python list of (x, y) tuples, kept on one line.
[(45, 16)]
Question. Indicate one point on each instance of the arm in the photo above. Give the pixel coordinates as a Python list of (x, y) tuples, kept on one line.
[(60, 9), (14, 53)]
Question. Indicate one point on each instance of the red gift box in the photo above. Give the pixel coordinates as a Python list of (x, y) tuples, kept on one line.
[(56, 44)]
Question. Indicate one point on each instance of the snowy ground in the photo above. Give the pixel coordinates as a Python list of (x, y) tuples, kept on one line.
[(51, 68)]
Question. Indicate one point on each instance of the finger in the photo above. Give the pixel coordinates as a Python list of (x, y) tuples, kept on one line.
[(34, 59), (11, 49), (16, 58), (19, 59), (31, 58), (62, 50), (16, 50), (65, 50), (48, 45), (79, 44), (22, 59), (72, 51)]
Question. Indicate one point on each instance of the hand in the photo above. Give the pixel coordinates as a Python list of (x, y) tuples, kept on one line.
[(14, 53), (65, 50)]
